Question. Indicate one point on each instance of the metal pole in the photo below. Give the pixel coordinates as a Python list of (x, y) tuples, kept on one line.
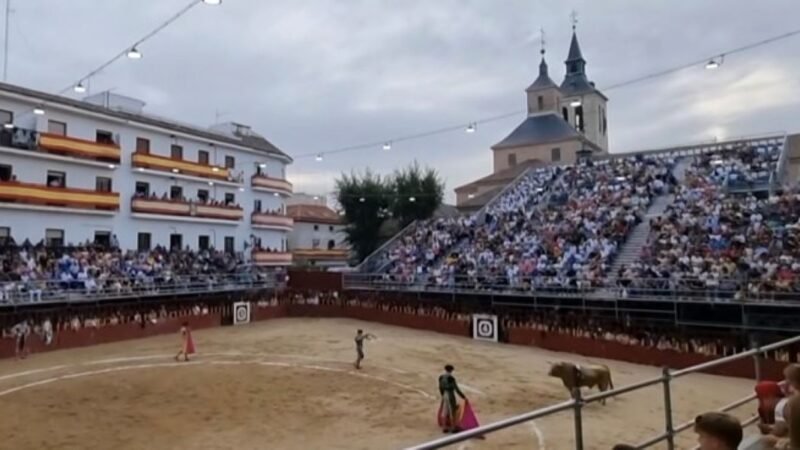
[(576, 395), (757, 365), (668, 409), (5, 42)]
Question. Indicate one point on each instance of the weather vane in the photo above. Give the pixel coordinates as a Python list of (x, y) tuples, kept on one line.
[(541, 31), (574, 17)]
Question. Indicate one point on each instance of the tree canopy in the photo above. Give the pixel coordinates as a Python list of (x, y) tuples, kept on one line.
[(369, 200)]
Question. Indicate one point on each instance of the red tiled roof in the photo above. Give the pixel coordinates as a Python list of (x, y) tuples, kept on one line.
[(313, 213)]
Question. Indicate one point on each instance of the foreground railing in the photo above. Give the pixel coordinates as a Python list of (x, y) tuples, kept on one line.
[(69, 291), (579, 402), (727, 290)]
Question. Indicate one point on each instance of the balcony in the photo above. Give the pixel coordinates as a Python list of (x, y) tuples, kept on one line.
[(43, 195), (335, 254), (268, 258), (22, 139), (262, 182), (166, 164), (271, 221), (187, 209)]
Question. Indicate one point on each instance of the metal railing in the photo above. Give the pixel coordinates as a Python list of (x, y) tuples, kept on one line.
[(17, 293), (685, 289), (578, 402)]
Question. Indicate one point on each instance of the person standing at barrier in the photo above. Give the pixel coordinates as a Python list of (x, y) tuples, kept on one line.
[(449, 416), (187, 344), (21, 332), (772, 408), (718, 431), (360, 337)]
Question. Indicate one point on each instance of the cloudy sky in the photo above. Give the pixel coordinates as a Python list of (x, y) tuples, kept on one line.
[(315, 75)]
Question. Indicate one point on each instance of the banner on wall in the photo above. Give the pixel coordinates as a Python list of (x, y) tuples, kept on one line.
[(484, 327), (241, 313)]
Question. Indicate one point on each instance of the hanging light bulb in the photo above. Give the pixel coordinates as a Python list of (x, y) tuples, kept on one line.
[(412, 199), (134, 53), (319, 157), (212, 2), (80, 88), (713, 64), (387, 145), (471, 128), (362, 199), (38, 111)]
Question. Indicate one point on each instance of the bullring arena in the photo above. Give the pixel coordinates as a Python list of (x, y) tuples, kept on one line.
[(289, 383)]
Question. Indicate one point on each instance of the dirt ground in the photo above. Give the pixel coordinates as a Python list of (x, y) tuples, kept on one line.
[(290, 384)]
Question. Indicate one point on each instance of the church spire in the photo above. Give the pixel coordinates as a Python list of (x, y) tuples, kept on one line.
[(543, 81)]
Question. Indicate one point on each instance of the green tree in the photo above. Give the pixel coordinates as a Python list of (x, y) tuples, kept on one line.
[(417, 193), (365, 199)]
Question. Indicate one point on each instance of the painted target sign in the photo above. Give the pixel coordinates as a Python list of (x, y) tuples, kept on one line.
[(484, 327), (241, 313)]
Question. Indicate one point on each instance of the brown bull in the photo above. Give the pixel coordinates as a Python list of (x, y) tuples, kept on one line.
[(576, 376)]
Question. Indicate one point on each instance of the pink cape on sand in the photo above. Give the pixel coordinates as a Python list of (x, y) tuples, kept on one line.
[(465, 416), (188, 345)]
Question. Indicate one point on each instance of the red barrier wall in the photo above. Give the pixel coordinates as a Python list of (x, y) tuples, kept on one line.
[(770, 369), (91, 336), (316, 281), (743, 368)]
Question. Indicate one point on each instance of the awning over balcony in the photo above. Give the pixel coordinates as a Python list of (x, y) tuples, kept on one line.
[(63, 145), (272, 184), (166, 164), (264, 258), (38, 194)]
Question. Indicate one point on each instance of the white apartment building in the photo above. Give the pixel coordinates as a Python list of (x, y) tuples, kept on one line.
[(101, 170), (318, 237)]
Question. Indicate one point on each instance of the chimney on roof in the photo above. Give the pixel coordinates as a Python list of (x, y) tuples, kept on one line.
[(116, 102), (233, 129)]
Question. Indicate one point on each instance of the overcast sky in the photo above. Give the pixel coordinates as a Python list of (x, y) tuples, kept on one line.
[(314, 75)]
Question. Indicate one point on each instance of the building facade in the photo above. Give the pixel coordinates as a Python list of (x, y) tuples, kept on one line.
[(318, 237), (101, 170), (563, 122)]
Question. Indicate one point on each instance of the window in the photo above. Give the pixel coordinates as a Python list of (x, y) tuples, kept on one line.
[(53, 237), (331, 244), (142, 145), (202, 157), (229, 244), (257, 206), (5, 172), (176, 151), (5, 235), (330, 228), (605, 124), (202, 195), (599, 118), (316, 227), (230, 199), (203, 242), (579, 118), (175, 241), (565, 113), (230, 162), (102, 184), (6, 116), (56, 179), (573, 67), (176, 193), (512, 160), (540, 101), (56, 127), (104, 137), (555, 154), (315, 243), (102, 238), (142, 189), (143, 242)]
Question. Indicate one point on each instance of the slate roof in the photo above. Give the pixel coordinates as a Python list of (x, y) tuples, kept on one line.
[(538, 129), (313, 214), (254, 142)]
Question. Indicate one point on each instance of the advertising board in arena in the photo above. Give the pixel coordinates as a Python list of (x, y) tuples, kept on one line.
[(484, 327), (241, 313)]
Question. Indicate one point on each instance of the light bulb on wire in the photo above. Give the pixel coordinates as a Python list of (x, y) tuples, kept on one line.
[(79, 88), (134, 53), (319, 157), (471, 128), (212, 2), (387, 146)]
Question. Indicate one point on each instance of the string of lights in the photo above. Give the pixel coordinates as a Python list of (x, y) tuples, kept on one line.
[(132, 51), (710, 62)]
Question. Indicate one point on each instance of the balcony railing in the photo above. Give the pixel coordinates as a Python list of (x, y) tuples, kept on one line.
[(267, 258), (40, 194), (166, 164), (25, 139), (272, 184), (264, 220), (183, 208)]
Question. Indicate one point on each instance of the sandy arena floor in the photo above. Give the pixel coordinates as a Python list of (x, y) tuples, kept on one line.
[(290, 384)]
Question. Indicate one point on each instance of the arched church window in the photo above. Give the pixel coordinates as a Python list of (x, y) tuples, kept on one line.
[(565, 112), (579, 118)]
